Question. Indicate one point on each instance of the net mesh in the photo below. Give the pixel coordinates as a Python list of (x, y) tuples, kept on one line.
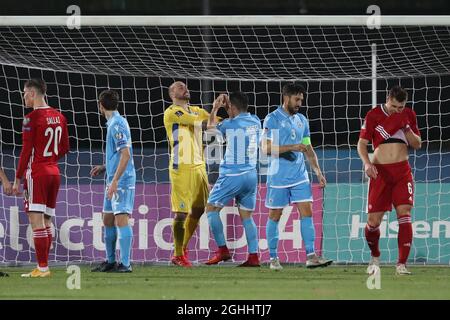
[(141, 62)]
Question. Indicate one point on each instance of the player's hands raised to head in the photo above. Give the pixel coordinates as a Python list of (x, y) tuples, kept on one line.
[(220, 101), (371, 170), (7, 187), (95, 171)]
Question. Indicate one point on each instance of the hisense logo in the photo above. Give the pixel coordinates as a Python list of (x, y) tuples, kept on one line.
[(421, 229)]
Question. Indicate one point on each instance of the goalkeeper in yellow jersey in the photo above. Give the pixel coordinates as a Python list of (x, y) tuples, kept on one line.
[(187, 169)]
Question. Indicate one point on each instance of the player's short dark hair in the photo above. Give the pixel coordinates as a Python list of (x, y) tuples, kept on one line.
[(109, 99), (398, 93), (292, 89), (38, 84), (239, 100)]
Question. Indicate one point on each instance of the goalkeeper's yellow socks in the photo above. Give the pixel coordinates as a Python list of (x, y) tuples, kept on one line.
[(178, 236), (190, 225)]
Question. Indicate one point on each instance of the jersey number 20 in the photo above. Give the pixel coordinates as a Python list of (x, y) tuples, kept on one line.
[(53, 135)]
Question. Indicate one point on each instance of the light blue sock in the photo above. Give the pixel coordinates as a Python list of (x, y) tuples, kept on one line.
[(216, 227), (110, 238), (272, 237), (251, 233), (308, 234), (125, 241)]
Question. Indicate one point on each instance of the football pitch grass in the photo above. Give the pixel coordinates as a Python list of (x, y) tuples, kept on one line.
[(229, 282)]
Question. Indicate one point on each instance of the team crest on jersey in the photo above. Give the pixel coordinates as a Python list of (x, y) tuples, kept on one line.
[(179, 113), (26, 121)]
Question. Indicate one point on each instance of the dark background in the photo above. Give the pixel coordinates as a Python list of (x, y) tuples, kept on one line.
[(253, 7)]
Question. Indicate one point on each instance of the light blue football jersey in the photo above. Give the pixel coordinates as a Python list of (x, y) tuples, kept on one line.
[(242, 135), (289, 168), (118, 136)]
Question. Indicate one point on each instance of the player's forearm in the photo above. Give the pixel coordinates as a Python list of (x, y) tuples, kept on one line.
[(413, 140), (275, 150), (3, 177), (363, 153), (123, 162), (212, 120), (313, 160), (24, 158)]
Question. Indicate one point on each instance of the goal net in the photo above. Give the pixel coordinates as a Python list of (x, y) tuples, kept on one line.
[(141, 61)]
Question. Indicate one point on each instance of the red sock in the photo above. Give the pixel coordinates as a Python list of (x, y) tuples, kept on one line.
[(50, 239), (405, 236), (373, 237), (40, 238)]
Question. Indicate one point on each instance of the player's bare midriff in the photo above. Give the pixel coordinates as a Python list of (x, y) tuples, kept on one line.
[(390, 153)]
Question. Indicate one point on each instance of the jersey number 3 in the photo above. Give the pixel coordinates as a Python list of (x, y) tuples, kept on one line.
[(55, 136)]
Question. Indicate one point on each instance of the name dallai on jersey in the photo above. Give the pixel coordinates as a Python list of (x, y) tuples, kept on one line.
[(50, 120)]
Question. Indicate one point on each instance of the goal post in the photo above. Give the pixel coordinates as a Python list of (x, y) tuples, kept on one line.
[(235, 20), (140, 56)]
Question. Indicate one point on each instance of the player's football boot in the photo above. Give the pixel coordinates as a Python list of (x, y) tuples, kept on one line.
[(252, 261), (36, 273), (315, 261), (374, 265), (222, 254), (275, 264), (4, 274), (181, 261), (121, 268), (105, 266), (401, 270), (186, 254)]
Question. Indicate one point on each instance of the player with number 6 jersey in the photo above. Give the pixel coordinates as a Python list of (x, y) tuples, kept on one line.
[(45, 140), (391, 128)]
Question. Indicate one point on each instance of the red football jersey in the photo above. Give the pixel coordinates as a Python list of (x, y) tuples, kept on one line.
[(376, 117), (45, 139)]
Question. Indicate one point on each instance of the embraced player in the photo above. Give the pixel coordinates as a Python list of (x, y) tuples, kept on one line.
[(187, 168), (120, 185), (45, 140), (286, 138), (391, 128), (237, 174)]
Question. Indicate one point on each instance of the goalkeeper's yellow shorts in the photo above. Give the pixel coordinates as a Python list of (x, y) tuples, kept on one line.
[(189, 188)]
